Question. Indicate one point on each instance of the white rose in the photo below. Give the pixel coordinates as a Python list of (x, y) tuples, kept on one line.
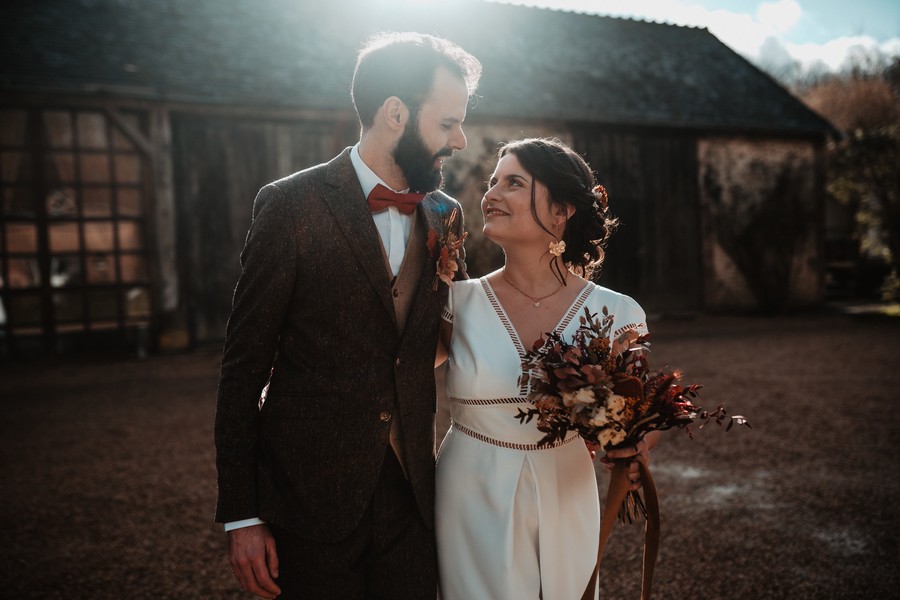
[(598, 418), (611, 436), (615, 404), (584, 396)]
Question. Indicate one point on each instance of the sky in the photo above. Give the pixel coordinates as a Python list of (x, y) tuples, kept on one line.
[(812, 32)]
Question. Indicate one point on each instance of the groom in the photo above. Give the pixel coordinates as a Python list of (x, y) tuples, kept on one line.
[(327, 488)]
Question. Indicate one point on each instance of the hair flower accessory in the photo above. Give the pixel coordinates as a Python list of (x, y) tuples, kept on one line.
[(600, 194), (446, 250), (557, 248)]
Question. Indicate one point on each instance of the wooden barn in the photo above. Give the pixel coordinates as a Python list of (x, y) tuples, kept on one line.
[(135, 134)]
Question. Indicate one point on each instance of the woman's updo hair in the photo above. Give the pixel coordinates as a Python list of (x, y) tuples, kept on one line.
[(570, 181)]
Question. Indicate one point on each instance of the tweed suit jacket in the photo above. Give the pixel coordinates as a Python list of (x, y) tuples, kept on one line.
[(313, 317)]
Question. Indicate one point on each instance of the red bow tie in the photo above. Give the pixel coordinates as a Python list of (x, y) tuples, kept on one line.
[(382, 198)]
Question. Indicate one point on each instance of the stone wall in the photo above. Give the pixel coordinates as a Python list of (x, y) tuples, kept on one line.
[(761, 224)]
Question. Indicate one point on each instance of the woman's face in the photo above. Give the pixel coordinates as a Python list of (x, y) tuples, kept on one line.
[(506, 206)]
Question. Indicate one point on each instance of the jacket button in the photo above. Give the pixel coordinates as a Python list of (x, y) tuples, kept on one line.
[(385, 416), (396, 292), (397, 363)]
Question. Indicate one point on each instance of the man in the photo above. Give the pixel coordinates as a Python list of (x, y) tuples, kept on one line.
[(327, 489)]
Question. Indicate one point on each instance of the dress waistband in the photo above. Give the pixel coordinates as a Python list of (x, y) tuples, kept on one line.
[(511, 445)]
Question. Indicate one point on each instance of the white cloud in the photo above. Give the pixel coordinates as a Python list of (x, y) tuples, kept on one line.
[(834, 53), (780, 16)]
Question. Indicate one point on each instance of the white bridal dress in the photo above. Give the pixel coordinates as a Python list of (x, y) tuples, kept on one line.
[(514, 521)]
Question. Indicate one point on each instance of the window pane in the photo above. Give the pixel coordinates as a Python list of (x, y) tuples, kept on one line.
[(64, 237), (132, 268), (94, 168), (23, 273), (129, 236), (65, 270), (120, 141), (15, 167), (128, 168), (21, 237), (59, 129), (137, 304), (98, 236), (102, 305), (60, 168), (12, 127), (97, 202), (91, 131), (68, 306), (18, 201), (62, 203), (101, 268), (129, 202), (24, 310)]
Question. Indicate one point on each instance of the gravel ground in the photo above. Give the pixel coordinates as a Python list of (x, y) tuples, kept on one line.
[(109, 483)]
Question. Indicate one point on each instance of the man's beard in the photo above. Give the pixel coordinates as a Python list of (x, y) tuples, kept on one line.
[(417, 163)]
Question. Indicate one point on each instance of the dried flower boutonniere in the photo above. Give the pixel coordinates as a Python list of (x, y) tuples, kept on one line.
[(446, 250)]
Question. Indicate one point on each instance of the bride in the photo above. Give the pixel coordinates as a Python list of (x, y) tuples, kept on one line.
[(514, 520)]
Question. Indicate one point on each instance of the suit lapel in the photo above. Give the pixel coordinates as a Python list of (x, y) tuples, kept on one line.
[(344, 197), (430, 212)]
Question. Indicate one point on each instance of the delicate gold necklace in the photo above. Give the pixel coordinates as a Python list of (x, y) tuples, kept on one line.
[(535, 301)]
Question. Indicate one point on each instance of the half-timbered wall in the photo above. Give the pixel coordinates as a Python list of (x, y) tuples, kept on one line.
[(74, 244)]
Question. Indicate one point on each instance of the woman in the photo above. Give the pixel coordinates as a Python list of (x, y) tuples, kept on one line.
[(515, 520)]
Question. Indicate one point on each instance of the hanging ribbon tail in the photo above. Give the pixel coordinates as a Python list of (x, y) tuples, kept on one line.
[(651, 533), (615, 496)]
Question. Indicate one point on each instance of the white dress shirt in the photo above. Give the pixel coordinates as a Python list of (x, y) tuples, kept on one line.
[(393, 227)]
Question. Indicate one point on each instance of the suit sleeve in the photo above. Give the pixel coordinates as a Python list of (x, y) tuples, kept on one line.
[(259, 306)]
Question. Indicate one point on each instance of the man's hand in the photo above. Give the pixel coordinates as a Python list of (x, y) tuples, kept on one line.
[(254, 561)]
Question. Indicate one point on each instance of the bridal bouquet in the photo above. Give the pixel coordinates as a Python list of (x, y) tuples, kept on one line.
[(604, 389)]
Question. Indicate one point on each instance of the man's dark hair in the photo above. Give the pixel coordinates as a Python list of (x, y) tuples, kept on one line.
[(403, 65)]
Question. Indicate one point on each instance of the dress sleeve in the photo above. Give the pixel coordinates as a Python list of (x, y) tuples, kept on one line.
[(447, 311), (630, 317)]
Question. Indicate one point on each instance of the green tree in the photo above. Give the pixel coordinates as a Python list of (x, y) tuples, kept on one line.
[(865, 173), (864, 168)]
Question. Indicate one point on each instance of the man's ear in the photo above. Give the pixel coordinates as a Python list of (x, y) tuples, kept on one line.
[(395, 113)]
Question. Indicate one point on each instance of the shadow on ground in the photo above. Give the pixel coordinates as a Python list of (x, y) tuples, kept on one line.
[(109, 482)]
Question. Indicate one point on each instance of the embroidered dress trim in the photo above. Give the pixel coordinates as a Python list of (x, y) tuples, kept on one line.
[(509, 445), (514, 335), (447, 315), (486, 401), (629, 327)]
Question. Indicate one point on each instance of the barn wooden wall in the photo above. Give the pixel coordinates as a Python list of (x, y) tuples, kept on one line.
[(220, 165), (651, 178)]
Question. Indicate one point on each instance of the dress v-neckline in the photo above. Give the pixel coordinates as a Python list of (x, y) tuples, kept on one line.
[(513, 333)]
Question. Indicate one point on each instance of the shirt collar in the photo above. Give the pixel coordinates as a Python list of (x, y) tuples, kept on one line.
[(367, 177)]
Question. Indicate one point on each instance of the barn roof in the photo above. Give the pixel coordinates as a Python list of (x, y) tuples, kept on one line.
[(538, 63)]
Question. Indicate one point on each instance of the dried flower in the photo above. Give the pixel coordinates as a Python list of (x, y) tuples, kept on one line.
[(603, 389), (446, 249)]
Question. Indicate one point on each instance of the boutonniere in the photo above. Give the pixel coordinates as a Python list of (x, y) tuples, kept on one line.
[(445, 249)]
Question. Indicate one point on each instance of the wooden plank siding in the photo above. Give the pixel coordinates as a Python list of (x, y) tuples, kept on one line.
[(651, 178), (220, 165)]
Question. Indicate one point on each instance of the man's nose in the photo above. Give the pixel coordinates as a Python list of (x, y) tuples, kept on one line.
[(458, 141)]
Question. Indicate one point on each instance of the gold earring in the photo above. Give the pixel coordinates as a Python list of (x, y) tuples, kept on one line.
[(557, 248)]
